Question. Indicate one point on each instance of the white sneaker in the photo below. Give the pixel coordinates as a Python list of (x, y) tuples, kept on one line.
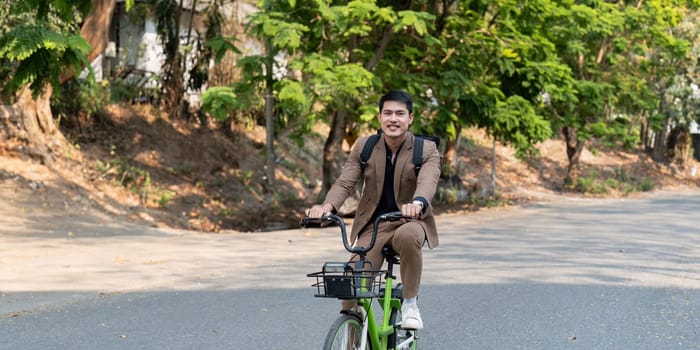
[(410, 317)]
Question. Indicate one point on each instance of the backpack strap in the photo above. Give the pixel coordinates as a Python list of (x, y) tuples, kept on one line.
[(418, 149), (418, 153), (367, 150)]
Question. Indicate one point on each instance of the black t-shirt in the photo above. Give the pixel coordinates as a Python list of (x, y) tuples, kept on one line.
[(387, 202)]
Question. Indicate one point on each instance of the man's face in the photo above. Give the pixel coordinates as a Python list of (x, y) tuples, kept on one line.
[(395, 119)]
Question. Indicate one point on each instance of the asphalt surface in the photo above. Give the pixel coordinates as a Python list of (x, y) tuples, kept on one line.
[(565, 274)]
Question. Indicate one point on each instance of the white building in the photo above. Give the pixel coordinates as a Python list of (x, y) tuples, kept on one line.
[(135, 52)]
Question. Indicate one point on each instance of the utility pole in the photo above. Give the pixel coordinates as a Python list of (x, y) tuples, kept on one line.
[(269, 115)]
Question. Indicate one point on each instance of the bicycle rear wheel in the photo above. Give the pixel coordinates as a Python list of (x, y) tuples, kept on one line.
[(345, 334)]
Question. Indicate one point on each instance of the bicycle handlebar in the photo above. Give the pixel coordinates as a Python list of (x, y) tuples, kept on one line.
[(330, 218)]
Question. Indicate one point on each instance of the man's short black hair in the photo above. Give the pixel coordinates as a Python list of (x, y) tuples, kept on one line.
[(398, 96)]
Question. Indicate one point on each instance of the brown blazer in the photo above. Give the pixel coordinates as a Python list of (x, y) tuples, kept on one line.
[(406, 185)]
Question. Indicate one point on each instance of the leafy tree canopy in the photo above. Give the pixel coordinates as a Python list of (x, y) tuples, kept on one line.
[(43, 42)]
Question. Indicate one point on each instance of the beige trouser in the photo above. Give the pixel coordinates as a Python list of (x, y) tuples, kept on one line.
[(407, 240)]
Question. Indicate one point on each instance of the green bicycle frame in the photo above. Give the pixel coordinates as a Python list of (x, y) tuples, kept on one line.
[(379, 334)]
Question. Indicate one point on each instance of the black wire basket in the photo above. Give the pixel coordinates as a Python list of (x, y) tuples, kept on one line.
[(343, 280)]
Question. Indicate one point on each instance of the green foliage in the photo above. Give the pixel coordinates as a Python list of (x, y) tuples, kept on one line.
[(65, 10), (447, 196), (165, 198), (221, 45), (219, 101), (515, 122), (333, 81), (334, 42), (42, 41), (273, 25), (420, 21), (590, 184), (284, 199), (245, 177), (80, 97), (227, 212), (167, 14), (595, 183), (291, 97), (488, 202), (522, 70), (41, 54), (129, 4), (137, 180), (132, 177), (646, 185), (125, 174), (618, 132)]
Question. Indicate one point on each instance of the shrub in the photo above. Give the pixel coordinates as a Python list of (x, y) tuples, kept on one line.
[(645, 185)]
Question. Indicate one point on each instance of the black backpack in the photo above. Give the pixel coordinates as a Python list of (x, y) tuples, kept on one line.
[(417, 149)]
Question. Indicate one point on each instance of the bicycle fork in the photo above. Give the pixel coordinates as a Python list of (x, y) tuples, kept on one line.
[(380, 337), (364, 314)]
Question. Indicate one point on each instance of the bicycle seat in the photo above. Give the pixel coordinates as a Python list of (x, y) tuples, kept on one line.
[(390, 255)]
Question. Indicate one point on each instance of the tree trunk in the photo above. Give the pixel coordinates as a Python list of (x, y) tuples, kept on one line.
[(183, 103), (659, 152), (270, 138), (333, 157), (450, 158), (574, 147), (492, 186), (28, 127), (678, 146), (95, 30), (660, 142), (173, 80), (644, 135), (269, 115)]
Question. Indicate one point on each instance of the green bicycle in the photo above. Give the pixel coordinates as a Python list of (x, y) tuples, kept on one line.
[(362, 329)]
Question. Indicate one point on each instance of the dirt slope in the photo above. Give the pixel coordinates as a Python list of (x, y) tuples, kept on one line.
[(134, 163)]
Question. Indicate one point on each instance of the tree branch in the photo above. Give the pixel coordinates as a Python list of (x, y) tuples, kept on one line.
[(603, 49), (380, 49)]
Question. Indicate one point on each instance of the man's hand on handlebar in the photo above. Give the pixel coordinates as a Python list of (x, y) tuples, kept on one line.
[(412, 210), (319, 210)]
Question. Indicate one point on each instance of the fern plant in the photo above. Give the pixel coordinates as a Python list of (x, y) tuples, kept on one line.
[(44, 43), (41, 54)]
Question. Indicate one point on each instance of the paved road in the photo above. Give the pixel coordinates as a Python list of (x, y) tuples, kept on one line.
[(566, 274)]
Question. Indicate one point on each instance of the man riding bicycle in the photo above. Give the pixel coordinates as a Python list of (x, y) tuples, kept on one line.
[(391, 183)]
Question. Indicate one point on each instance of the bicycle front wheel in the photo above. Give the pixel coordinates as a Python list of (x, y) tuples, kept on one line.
[(345, 334)]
